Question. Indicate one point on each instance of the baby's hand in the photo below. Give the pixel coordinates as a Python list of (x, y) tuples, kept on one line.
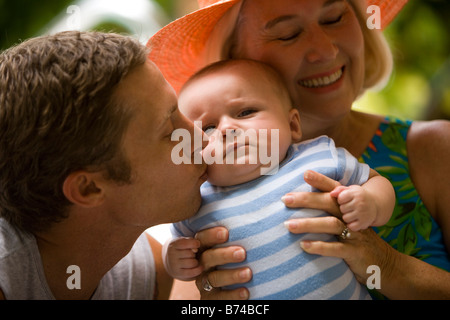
[(180, 261), (357, 207)]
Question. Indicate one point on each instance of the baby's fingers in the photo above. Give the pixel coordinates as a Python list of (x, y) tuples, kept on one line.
[(190, 273), (186, 243), (345, 196), (337, 191)]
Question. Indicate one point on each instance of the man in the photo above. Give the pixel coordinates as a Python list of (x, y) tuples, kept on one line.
[(85, 168)]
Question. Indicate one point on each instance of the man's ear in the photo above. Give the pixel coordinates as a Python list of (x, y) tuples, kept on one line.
[(295, 125), (84, 188)]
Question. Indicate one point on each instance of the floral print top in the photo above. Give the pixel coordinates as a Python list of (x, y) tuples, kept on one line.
[(411, 229)]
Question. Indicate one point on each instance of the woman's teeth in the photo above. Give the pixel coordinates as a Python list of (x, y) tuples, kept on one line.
[(323, 81)]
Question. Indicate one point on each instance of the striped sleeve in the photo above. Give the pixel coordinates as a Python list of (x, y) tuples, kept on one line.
[(181, 229), (349, 170)]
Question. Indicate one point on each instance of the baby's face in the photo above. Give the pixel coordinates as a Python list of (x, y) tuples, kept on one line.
[(236, 112)]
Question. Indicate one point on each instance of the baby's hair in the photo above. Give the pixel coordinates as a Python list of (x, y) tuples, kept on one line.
[(269, 73)]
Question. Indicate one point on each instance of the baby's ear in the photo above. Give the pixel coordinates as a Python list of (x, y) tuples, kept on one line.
[(84, 188), (295, 125)]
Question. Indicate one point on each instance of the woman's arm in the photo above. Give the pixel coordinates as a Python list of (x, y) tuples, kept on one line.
[(428, 147)]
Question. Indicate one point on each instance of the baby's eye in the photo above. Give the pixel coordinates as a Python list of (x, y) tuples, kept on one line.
[(209, 130), (246, 113)]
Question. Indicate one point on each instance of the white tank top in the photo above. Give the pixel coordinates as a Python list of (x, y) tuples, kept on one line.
[(22, 274)]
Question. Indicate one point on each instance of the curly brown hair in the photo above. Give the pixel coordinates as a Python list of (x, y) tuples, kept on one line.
[(58, 114)]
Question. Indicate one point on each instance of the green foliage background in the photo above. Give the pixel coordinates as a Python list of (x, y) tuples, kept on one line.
[(420, 86), (419, 37)]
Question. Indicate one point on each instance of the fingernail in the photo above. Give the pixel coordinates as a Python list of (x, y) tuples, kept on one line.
[(244, 274), (305, 245), (287, 199), (239, 254), (290, 224), (243, 294), (222, 235), (308, 175)]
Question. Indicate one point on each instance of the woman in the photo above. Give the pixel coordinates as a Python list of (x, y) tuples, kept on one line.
[(328, 57)]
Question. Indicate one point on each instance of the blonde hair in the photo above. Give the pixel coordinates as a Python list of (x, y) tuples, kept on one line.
[(378, 55)]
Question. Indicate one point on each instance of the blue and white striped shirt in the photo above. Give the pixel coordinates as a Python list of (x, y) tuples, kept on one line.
[(255, 216)]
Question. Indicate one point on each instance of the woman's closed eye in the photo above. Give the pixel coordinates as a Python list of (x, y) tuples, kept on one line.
[(289, 36), (334, 17), (331, 21)]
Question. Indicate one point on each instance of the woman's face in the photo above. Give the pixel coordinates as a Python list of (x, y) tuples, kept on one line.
[(317, 46)]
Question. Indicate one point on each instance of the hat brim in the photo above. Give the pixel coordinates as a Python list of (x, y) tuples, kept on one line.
[(178, 49), (389, 9)]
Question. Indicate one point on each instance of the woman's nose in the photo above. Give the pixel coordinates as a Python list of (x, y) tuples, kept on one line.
[(322, 47)]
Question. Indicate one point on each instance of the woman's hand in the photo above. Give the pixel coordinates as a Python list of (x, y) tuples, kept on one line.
[(211, 258), (402, 276), (359, 250), (315, 200)]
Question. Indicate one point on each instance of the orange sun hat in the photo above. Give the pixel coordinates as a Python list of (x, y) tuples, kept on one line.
[(190, 43)]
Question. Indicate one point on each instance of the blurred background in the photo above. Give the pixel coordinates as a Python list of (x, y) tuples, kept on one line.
[(419, 37)]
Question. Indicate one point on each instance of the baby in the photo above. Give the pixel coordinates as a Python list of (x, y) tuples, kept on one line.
[(236, 96)]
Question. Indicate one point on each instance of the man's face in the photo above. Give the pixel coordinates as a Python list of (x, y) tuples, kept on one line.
[(160, 191)]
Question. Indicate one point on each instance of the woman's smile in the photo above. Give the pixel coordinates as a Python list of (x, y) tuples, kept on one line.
[(322, 80)]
